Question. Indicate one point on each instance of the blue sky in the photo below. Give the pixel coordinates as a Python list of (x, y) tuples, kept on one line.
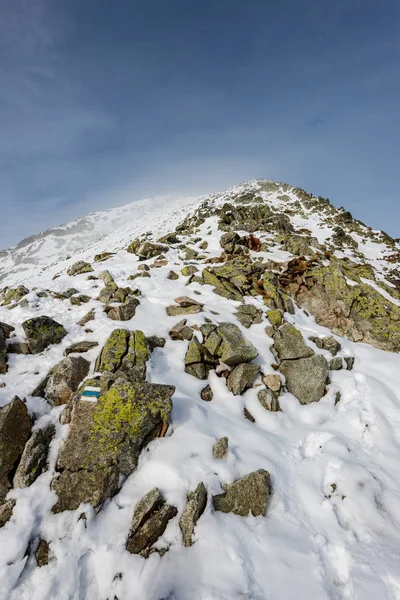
[(104, 102)]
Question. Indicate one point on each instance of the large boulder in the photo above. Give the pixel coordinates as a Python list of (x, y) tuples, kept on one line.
[(133, 365), (234, 349), (34, 457), (249, 494), (65, 378), (41, 332), (289, 343), (195, 506), (114, 350), (306, 378), (150, 520), (15, 429)]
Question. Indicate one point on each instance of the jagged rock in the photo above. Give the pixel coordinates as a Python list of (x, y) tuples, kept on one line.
[(18, 348), (234, 349), (275, 317), (328, 343), (34, 457), (269, 400), (80, 347), (206, 394), (105, 439), (177, 311), (189, 270), (221, 447), (273, 382), (65, 378), (79, 267), (172, 275), (336, 364), (3, 353), (41, 332), (248, 314), (6, 511), (153, 341), (249, 494), (196, 504), (181, 331), (133, 365), (114, 350), (349, 360), (289, 343), (124, 312), (212, 343), (6, 329), (88, 317), (150, 520), (42, 552), (242, 377), (306, 378), (15, 429)]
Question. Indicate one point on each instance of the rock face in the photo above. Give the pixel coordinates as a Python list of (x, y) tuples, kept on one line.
[(150, 520), (105, 439), (249, 494), (15, 429), (65, 378), (79, 267), (41, 332), (242, 377), (34, 457), (196, 504)]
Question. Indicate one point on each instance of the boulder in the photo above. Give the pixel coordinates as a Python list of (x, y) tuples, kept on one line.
[(242, 377), (42, 553), (80, 347), (195, 506), (65, 378), (150, 520), (79, 267), (221, 448), (269, 400), (114, 350), (249, 494), (123, 312), (206, 394), (289, 343), (306, 378), (133, 365), (13, 295), (248, 314), (6, 329), (234, 349), (34, 457), (76, 488), (15, 429), (41, 332)]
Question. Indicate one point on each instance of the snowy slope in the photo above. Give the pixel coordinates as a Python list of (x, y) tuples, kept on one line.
[(332, 527)]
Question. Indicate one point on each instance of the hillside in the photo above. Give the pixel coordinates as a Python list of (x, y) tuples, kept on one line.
[(201, 400)]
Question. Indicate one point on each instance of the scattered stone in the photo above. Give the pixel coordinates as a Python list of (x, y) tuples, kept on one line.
[(273, 382), (15, 429), (181, 331), (65, 378), (249, 494), (221, 447), (196, 504), (146, 250), (6, 329), (269, 400), (176, 311), (79, 267), (349, 360), (153, 341), (248, 415), (306, 378), (6, 511), (34, 457), (80, 347), (206, 394), (328, 343), (242, 377), (18, 348), (81, 299), (88, 317), (172, 275), (234, 349), (133, 365), (189, 270), (185, 301), (248, 314), (124, 312), (107, 278), (42, 332), (336, 364), (103, 256), (14, 295), (143, 267), (43, 550)]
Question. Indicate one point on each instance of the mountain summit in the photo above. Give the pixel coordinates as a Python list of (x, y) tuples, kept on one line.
[(200, 399)]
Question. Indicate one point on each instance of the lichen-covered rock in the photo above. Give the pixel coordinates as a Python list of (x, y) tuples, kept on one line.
[(114, 350), (186, 306), (189, 270), (103, 256), (65, 378), (146, 250), (234, 349), (220, 448), (275, 317), (42, 332), (150, 520), (172, 275), (133, 365), (195, 506), (15, 429), (289, 343), (306, 378), (75, 488), (80, 347), (13, 295), (79, 268), (242, 377), (249, 494), (34, 457)]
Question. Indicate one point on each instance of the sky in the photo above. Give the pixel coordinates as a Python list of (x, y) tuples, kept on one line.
[(103, 102)]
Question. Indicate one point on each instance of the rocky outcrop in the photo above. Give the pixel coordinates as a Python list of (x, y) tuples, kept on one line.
[(42, 332), (79, 268), (249, 494), (34, 457), (64, 379), (150, 520), (15, 429), (195, 506)]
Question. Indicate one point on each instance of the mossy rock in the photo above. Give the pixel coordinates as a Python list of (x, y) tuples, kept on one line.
[(114, 350), (189, 270), (79, 268), (13, 295), (42, 332)]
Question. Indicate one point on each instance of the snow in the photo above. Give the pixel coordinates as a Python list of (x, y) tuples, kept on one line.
[(332, 526)]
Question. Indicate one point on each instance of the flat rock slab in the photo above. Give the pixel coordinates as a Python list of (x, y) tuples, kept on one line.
[(176, 311), (249, 494)]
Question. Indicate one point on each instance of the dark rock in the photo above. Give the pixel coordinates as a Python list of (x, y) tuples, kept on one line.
[(206, 394), (6, 329), (196, 504), (289, 343), (18, 348), (153, 341), (242, 377), (176, 311), (172, 275), (80, 347), (65, 378), (151, 530), (249, 494), (349, 360), (3, 353), (34, 457), (15, 429), (41, 332)]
